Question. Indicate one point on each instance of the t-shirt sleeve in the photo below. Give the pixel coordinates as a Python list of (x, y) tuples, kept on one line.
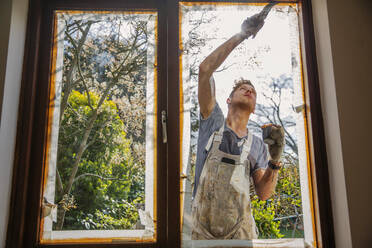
[(262, 157), (210, 124)]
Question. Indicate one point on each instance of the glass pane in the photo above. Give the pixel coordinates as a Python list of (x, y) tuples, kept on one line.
[(272, 62), (101, 155)]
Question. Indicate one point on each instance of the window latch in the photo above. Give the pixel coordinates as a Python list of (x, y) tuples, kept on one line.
[(164, 125), (299, 108)]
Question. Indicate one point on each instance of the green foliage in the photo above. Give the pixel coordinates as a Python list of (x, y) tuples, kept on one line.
[(103, 187), (288, 192), (117, 215), (264, 214), (285, 202)]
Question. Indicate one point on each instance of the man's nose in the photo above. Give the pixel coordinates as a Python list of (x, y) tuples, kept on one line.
[(249, 90)]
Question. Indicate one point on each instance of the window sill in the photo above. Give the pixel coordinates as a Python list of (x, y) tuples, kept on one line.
[(288, 243)]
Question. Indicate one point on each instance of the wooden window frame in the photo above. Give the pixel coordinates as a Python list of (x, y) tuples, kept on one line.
[(31, 134)]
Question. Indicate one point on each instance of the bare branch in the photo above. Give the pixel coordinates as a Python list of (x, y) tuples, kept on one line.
[(125, 59), (225, 67), (76, 113), (59, 182), (68, 82), (83, 81), (97, 133), (99, 176)]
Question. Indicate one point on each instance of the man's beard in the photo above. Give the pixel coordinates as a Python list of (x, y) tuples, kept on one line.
[(244, 106)]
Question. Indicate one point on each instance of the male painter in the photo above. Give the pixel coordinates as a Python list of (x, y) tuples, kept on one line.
[(228, 154)]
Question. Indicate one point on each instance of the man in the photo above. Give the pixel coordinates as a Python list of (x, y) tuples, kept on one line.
[(228, 154)]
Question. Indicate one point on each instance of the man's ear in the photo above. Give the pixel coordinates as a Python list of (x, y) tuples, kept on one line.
[(228, 100)]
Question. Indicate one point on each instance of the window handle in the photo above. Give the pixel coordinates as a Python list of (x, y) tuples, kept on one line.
[(299, 108), (164, 125)]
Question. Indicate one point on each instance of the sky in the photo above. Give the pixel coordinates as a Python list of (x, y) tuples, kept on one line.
[(275, 43)]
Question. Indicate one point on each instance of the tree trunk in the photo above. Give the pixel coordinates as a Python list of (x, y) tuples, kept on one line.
[(69, 77), (81, 149)]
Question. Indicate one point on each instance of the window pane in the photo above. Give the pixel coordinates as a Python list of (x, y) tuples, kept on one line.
[(272, 62), (101, 155)]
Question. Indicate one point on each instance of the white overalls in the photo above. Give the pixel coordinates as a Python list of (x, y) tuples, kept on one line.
[(221, 207)]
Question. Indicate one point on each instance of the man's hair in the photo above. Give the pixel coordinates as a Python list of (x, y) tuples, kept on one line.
[(239, 83)]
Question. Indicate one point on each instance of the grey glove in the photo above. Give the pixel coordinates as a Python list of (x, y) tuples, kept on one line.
[(253, 24), (273, 135)]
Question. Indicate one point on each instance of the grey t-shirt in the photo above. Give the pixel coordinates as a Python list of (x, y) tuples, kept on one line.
[(229, 144)]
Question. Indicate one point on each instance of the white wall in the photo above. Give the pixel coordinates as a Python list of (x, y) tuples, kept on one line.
[(351, 39), (331, 125), (10, 81), (344, 38), (5, 10)]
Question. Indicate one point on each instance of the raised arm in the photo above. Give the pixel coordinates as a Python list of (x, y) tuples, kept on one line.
[(206, 87)]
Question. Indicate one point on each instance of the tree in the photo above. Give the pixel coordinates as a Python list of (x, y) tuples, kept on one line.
[(287, 198), (107, 67), (100, 195), (273, 112)]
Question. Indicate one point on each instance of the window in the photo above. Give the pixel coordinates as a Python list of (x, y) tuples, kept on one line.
[(272, 61), (100, 168), (51, 134)]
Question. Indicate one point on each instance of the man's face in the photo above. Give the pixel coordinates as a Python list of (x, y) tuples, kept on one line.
[(244, 97)]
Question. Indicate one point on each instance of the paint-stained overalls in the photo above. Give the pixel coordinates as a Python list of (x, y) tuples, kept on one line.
[(221, 207)]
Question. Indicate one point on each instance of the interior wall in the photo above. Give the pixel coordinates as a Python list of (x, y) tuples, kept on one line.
[(13, 12), (327, 85), (5, 10), (351, 38)]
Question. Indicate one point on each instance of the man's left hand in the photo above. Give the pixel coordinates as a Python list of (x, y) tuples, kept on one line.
[(275, 140)]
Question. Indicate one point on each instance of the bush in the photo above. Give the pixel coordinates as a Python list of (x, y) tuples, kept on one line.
[(264, 214), (285, 202)]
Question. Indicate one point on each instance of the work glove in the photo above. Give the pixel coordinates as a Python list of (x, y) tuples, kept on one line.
[(273, 135), (253, 24)]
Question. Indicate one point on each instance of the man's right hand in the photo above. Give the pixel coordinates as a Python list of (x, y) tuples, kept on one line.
[(253, 24)]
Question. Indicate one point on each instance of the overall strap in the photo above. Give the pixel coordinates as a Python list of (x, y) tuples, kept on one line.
[(238, 178), (246, 148), (215, 137)]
